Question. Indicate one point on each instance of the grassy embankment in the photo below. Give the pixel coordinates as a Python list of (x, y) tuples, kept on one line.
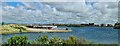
[(16, 28), (12, 28), (117, 26)]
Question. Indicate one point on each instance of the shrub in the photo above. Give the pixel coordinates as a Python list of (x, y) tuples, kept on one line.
[(18, 40), (42, 40), (56, 40), (71, 40)]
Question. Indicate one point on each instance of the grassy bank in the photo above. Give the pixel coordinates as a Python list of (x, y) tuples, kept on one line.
[(12, 28), (117, 26), (15, 28)]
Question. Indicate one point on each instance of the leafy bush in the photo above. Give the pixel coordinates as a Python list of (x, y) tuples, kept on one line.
[(44, 40), (71, 40), (16, 40), (57, 40)]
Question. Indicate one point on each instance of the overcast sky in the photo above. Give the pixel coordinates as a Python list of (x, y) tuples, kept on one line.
[(84, 11)]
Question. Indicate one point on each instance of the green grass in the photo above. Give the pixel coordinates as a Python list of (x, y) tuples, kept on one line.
[(117, 26), (8, 29)]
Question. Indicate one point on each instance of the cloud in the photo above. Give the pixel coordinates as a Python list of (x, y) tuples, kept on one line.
[(60, 0), (69, 7), (102, 0), (61, 12), (43, 1)]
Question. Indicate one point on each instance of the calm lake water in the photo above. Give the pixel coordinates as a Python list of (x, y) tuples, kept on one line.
[(102, 35)]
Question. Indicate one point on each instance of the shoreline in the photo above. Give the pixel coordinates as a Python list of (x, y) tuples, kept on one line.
[(46, 30), (35, 30)]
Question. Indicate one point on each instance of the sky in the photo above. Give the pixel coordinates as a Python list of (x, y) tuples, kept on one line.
[(68, 12)]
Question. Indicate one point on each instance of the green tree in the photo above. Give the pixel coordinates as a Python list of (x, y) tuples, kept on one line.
[(3, 23), (56, 40), (42, 40), (71, 40), (19, 40)]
